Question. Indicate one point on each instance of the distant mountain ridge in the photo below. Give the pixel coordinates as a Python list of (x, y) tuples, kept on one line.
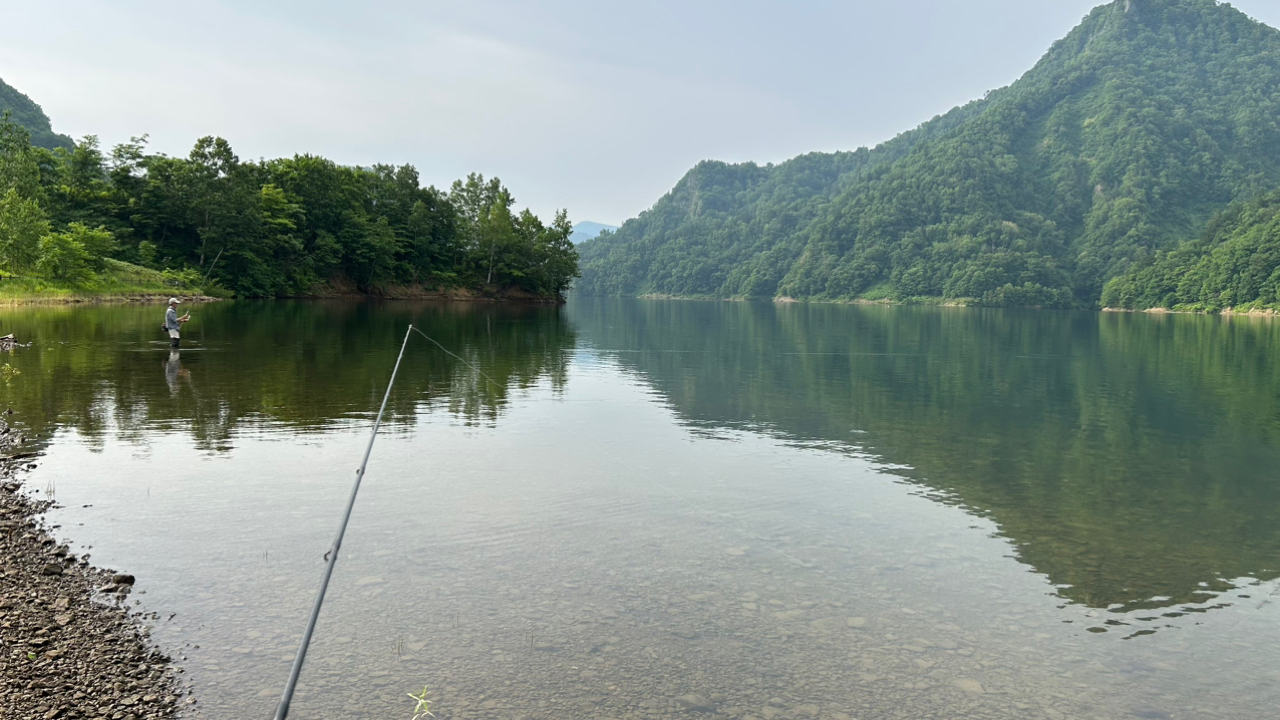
[(1149, 118), (28, 114), (588, 230)]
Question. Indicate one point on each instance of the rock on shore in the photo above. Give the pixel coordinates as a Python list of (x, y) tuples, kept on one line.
[(67, 650)]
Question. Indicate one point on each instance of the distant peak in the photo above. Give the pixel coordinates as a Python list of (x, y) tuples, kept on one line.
[(27, 113), (588, 230)]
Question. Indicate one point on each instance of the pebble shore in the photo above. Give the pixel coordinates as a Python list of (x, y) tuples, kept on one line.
[(69, 645)]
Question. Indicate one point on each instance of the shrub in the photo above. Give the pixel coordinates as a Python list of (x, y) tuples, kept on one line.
[(63, 257)]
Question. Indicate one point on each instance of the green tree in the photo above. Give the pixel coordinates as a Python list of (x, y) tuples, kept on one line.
[(63, 257), (22, 224), (551, 259), (78, 187), (282, 227), (18, 167), (497, 242), (474, 200), (432, 247), (222, 196), (98, 242)]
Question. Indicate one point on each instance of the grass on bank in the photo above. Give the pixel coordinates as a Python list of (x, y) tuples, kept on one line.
[(119, 280)]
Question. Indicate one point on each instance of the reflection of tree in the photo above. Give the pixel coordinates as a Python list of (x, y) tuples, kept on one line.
[(308, 366), (1128, 457)]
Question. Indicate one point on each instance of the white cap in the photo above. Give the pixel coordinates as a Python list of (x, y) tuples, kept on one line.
[(174, 301)]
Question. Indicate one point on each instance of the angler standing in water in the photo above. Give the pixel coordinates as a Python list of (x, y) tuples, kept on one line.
[(173, 323)]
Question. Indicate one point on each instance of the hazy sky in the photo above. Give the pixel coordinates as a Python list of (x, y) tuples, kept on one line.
[(598, 107)]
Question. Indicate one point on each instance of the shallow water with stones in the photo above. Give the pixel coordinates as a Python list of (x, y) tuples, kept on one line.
[(661, 509)]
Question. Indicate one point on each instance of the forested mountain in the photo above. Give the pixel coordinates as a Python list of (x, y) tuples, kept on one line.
[(286, 227), (29, 115), (1147, 120), (1235, 265)]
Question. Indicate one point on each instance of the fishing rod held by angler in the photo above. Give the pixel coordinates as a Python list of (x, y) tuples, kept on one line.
[(331, 557)]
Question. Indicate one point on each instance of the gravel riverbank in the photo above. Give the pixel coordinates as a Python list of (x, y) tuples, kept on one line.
[(69, 646)]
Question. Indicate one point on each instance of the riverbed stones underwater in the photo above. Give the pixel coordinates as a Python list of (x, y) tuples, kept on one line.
[(67, 648)]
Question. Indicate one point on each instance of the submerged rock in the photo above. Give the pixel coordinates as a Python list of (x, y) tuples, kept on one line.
[(695, 703)]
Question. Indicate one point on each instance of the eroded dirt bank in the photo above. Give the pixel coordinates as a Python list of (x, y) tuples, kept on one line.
[(104, 299)]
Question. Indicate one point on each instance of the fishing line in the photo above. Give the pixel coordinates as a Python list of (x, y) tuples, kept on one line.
[(733, 526), (459, 359), (1270, 596), (331, 557)]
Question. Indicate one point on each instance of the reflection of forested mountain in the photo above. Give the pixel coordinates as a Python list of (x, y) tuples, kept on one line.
[(304, 365), (1127, 457)]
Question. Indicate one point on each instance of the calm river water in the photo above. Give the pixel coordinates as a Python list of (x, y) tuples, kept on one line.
[(654, 509)]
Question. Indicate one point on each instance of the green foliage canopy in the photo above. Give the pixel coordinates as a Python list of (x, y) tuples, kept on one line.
[(274, 228), (1236, 264), (22, 225)]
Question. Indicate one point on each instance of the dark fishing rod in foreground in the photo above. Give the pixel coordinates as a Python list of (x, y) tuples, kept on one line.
[(331, 557)]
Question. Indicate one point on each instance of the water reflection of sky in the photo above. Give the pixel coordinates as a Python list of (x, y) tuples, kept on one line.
[(594, 516), (1137, 617), (647, 512)]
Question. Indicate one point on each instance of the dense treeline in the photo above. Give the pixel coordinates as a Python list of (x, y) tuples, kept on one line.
[(286, 227), (1235, 265), (1126, 138)]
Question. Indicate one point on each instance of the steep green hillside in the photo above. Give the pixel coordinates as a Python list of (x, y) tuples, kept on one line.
[(30, 116), (700, 236), (1131, 132), (1235, 265)]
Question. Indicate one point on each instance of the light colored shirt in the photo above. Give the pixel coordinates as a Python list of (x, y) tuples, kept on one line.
[(171, 319)]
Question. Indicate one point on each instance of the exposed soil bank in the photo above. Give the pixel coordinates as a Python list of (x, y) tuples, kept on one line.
[(103, 299), (407, 292), (69, 647), (326, 292), (345, 289)]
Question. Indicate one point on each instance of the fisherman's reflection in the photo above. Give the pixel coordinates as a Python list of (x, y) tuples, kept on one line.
[(173, 371)]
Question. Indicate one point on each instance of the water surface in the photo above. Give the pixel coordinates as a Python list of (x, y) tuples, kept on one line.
[(789, 511)]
